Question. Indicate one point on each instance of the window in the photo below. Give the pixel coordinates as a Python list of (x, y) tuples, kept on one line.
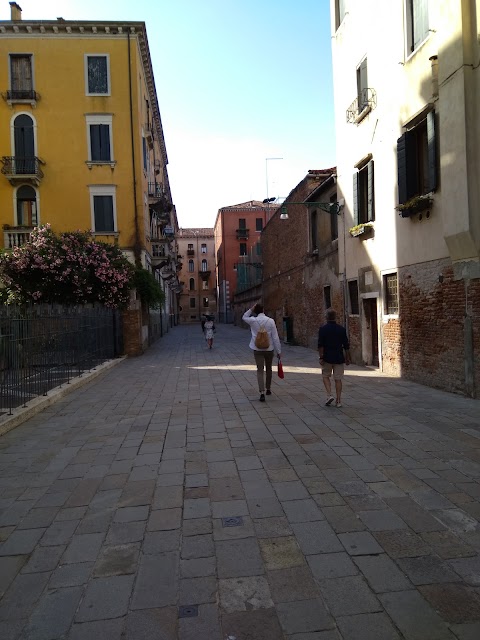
[(258, 224), (205, 285), (99, 134), (417, 160), (191, 266), (353, 296), (258, 248), (190, 247), (21, 78), (192, 303), (145, 155), (242, 223), (363, 195), (192, 284), (204, 265), (417, 23), (314, 231), (327, 297), (97, 75), (362, 85), (24, 143), (205, 302), (333, 217), (243, 248), (390, 292), (26, 206), (339, 12), (204, 248), (103, 208)]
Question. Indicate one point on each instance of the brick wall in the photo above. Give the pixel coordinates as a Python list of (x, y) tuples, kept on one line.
[(391, 347), (432, 310), (132, 332), (355, 339)]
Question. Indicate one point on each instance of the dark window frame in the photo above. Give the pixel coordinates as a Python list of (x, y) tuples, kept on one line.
[(353, 297), (96, 85), (191, 266), (193, 303), (21, 72), (314, 230), (243, 249), (191, 284), (103, 213), (364, 194), (100, 147), (339, 12), (327, 296), (417, 24), (258, 224), (391, 294)]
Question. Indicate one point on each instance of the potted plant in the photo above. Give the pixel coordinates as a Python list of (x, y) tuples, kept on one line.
[(359, 229), (415, 205)]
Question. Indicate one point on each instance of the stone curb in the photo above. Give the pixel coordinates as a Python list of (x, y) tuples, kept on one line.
[(7, 423)]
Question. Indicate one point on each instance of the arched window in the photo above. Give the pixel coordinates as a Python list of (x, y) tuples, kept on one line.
[(24, 141), (192, 284), (191, 267), (26, 206), (204, 265)]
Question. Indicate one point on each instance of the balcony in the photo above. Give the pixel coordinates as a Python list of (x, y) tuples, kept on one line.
[(242, 234), (365, 102), (190, 252), (26, 96), (155, 190), (16, 236), (22, 169), (148, 131), (205, 274)]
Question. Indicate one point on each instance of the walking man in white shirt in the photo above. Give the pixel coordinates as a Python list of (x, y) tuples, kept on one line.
[(259, 322)]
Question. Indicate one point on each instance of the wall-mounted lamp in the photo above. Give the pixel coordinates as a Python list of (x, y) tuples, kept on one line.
[(283, 213)]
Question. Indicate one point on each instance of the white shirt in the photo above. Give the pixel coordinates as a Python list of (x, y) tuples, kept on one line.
[(270, 327)]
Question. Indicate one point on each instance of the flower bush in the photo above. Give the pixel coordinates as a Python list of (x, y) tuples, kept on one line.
[(357, 229), (68, 269)]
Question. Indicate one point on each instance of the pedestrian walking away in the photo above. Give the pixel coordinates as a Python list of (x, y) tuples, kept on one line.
[(209, 329), (334, 354), (263, 342)]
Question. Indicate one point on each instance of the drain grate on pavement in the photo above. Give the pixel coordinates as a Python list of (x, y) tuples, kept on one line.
[(234, 521), (190, 611)]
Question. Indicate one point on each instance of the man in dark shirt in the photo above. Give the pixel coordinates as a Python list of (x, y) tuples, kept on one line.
[(332, 342)]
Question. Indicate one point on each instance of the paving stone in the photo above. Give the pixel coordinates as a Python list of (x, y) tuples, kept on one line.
[(329, 500), (9, 568), (157, 582), (382, 573), (427, 570), (21, 542), (343, 519), (272, 527), (290, 491), (12, 629), (44, 559), (416, 517), (54, 614), (378, 520), (302, 511), (316, 537), (331, 565), (152, 624), (199, 508), (246, 530), (365, 503), (168, 497), (237, 558), (402, 543), (197, 480), (59, 533), (261, 624), (104, 629), (367, 626), (226, 489), (205, 625), (414, 616), (198, 590), (198, 567), (468, 569), (447, 545), (156, 542), (468, 631), (105, 598), (281, 553), (304, 616), (244, 594), (456, 603), (264, 507), (117, 560), (22, 595), (96, 522), (138, 493), (70, 513), (165, 520), (197, 547), (131, 514), (197, 526), (281, 475), (292, 584), (124, 532), (225, 469), (360, 543), (70, 575), (229, 508), (349, 596)]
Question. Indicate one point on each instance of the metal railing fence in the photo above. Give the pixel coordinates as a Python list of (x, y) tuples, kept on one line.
[(45, 346)]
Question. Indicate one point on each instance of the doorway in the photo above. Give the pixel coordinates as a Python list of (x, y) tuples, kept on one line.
[(370, 332)]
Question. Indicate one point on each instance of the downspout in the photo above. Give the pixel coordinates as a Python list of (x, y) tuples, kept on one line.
[(224, 256), (136, 246)]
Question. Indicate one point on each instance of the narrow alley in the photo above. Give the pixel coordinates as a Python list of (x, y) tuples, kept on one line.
[(163, 501)]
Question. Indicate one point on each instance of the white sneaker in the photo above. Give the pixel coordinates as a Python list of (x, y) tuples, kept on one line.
[(329, 401), (338, 404)]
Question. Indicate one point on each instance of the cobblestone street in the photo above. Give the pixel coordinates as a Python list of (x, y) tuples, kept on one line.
[(164, 501)]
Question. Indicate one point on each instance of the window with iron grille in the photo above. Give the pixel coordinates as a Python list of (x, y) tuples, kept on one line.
[(390, 293), (353, 297), (97, 75)]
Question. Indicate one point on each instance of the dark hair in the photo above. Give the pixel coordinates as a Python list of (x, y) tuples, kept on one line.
[(258, 308), (331, 315)]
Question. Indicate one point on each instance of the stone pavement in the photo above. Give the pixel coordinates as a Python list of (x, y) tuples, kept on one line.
[(163, 501)]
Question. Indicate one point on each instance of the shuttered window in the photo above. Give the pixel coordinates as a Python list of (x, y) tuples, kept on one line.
[(103, 212), (100, 142), (362, 85), (339, 12), (417, 23), (21, 81), (417, 160), (364, 195)]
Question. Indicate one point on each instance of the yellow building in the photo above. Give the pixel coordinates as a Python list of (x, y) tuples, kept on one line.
[(81, 140)]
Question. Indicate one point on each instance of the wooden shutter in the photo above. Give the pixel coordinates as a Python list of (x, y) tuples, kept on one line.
[(21, 73), (355, 198), (420, 21), (432, 152), (103, 211), (370, 193), (95, 142)]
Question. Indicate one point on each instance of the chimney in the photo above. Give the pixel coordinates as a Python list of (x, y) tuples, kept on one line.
[(16, 12)]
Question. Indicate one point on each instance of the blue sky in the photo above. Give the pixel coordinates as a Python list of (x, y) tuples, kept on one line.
[(238, 81)]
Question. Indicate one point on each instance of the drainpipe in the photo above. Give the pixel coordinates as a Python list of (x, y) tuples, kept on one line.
[(469, 348), (136, 246)]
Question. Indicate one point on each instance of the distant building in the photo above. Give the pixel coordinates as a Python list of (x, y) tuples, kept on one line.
[(406, 83), (81, 141), (238, 250), (196, 247)]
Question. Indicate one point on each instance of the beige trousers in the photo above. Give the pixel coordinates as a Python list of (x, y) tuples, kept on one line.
[(264, 359)]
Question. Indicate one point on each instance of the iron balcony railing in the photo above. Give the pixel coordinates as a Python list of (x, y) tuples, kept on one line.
[(15, 166), (242, 233), (366, 100), (45, 346), (22, 94), (155, 190)]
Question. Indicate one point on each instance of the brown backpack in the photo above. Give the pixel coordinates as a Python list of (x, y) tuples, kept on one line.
[(261, 340)]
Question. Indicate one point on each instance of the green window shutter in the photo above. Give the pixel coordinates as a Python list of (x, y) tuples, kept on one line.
[(371, 193), (432, 152), (103, 212), (355, 198), (402, 169)]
